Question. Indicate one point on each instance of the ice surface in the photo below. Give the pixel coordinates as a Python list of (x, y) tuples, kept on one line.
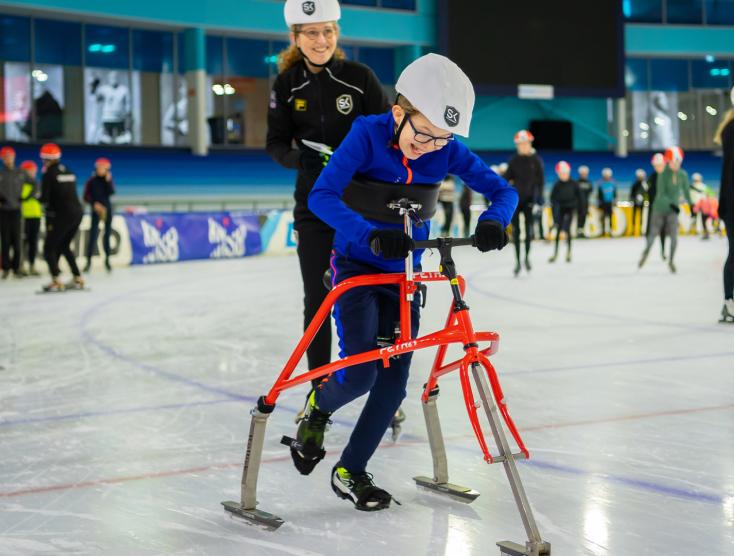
[(124, 412)]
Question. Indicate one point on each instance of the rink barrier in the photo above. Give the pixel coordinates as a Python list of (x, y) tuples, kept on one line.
[(148, 238)]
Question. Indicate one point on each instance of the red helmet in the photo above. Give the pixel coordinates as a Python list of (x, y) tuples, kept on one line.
[(50, 151), (28, 165), (657, 158), (524, 135), (563, 167), (5, 151), (103, 162), (673, 153)]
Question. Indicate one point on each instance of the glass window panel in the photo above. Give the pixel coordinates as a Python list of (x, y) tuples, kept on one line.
[(276, 47), (643, 11), (180, 53), (58, 42), (17, 101), (684, 11), (713, 74), (107, 47), (655, 124), (719, 12), (112, 106), (48, 100), (668, 75), (360, 2), (152, 51), (219, 89), (636, 74), (15, 33), (399, 4), (381, 60), (214, 55), (349, 51), (247, 57)]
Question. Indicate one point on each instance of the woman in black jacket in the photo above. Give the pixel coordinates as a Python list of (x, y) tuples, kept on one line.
[(316, 97), (725, 138)]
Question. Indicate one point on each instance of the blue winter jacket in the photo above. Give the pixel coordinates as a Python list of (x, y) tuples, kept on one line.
[(367, 150)]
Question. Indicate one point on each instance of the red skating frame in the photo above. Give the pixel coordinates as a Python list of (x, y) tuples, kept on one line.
[(458, 330)]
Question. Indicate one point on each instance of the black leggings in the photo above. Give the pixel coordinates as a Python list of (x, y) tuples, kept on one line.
[(94, 233), (10, 239), (606, 216), (59, 235), (636, 214), (314, 252), (448, 212), (527, 211), (565, 218), (466, 215), (729, 264), (32, 227)]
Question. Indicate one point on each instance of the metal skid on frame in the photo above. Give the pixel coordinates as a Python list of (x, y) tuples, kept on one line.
[(458, 329)]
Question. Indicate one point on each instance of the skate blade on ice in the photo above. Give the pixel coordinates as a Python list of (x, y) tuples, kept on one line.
[(509, 548), (460, 493), (257, 517), (42, 291)]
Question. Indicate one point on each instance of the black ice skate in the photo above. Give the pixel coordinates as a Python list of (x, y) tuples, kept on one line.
[(360, 490), (307, 449)]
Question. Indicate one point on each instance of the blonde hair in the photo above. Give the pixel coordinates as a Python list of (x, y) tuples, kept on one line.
[(728, 117), (288, 57)]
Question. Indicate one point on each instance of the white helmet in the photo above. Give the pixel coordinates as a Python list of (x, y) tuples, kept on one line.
[(440, 91), (298, 12), (731, 94)]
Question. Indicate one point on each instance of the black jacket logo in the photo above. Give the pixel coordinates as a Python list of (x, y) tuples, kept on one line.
[(344, 104), (309, 8), (451, 116)]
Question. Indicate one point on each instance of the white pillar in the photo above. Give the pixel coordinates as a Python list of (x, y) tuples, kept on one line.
[(621, 125)]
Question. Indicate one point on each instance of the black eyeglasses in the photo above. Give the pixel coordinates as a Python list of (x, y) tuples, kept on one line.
[(424, 138), (314, 34)]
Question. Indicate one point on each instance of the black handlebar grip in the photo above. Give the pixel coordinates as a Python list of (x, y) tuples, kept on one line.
[(455, 242)]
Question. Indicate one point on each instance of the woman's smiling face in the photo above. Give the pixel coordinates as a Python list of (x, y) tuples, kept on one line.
[(317, 41)]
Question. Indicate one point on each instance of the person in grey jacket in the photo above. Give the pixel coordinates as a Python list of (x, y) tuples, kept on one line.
[(11, 186)]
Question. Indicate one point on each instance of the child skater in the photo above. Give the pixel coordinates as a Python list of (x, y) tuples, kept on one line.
[(565, 199), (412, 144)]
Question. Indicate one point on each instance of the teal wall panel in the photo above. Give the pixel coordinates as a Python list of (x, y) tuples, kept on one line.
[(252, 16)]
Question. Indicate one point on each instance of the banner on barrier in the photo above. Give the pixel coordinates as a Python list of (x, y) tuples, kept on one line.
[(173, 236)]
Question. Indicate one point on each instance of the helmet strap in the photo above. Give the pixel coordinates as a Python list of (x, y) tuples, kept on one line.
[(399, 130), (313, 63)]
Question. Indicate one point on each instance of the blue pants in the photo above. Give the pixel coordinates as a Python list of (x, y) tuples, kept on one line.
[(361, 315)]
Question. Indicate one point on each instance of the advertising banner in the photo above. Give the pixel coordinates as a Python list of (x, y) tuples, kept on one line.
[(171, 237)]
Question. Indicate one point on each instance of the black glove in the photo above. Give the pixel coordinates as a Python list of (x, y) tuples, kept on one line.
[(490, 235), (391, 243), (312, 161)]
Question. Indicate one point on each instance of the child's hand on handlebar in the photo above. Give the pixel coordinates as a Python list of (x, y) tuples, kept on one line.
[(490, 235), (391, 243)]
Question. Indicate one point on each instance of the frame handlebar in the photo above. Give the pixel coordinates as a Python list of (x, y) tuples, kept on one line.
[(440, 242)]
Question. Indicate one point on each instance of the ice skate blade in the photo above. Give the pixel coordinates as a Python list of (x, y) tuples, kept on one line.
[(269, 521), (66, 290), (509, 548), (460, 493)]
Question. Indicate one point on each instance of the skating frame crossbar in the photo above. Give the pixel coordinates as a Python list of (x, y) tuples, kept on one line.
[(458, 329)]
